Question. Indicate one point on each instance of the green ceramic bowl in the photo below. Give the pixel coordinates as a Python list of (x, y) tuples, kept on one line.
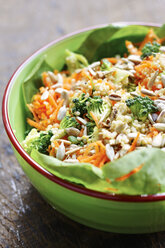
[(108, 212)]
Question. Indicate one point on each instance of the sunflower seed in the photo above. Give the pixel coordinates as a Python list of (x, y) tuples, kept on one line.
[(110, 152), (52, 77), (72, 131), (134, 135), (95, 64), (59, 78), (148, 92), (115, 97), (60, 152), (162, 99), (45, 95), (81, 120), (61, 113), (100, 74), (157, 140), (150, 119), (154, 116), (160, 106), (160, 126), (59, 90), (135, 58), (92, 71), (73, 150), (55, 86), (152, 80), (134, 94), (65, 96), (161, 117), (67, 142)]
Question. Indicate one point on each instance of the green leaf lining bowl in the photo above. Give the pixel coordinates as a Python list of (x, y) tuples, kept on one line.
[(108, 212)]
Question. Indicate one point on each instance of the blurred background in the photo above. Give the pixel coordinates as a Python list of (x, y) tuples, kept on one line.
[(26, 25)]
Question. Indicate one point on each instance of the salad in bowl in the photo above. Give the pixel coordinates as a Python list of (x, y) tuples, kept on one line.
[(100, 122), (85, 116)]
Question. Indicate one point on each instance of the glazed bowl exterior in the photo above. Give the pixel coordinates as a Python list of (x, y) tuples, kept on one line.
[(108, 212)]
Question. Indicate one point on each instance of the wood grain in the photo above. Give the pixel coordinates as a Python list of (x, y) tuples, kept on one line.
[(26, 220)]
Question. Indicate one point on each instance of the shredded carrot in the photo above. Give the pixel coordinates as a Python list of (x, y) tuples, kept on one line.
[(33, 112), (124, 177), (54, 115), (153, 132), (45, 80), (99, 158), (150, 37), (131, 48), (112, 60), (95, 119), (52, 100), (35, 124), (56, 143), (113, 102), (133, 146)]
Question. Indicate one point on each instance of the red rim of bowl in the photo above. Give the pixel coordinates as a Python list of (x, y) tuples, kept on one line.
[(40, 169)]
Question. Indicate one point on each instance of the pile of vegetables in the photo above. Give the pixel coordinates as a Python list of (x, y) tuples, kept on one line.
[(75, 118)]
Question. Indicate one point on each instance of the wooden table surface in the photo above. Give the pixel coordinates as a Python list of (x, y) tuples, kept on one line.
[(26, 220)]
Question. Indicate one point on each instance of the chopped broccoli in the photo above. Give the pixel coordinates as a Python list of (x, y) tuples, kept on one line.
[(90, 127), (106, 65), (150, 49), (79, 105), (68, 121), (100, 108), (75, 61), (141, 107), (42, 143), (37, 140)]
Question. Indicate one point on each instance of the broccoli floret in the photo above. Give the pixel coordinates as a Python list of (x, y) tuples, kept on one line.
[(69, 121), (75, 61), (85, 105), (37, 140), (105, 65), (141, 107), (100, 108), (150, 49), (79, 105), (41, 144)]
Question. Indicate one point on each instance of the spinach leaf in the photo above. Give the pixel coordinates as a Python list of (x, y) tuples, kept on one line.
[(116, 43), (32, 84), (95, 39)]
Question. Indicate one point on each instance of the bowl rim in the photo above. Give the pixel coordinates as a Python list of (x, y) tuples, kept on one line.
[(39, 168)]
